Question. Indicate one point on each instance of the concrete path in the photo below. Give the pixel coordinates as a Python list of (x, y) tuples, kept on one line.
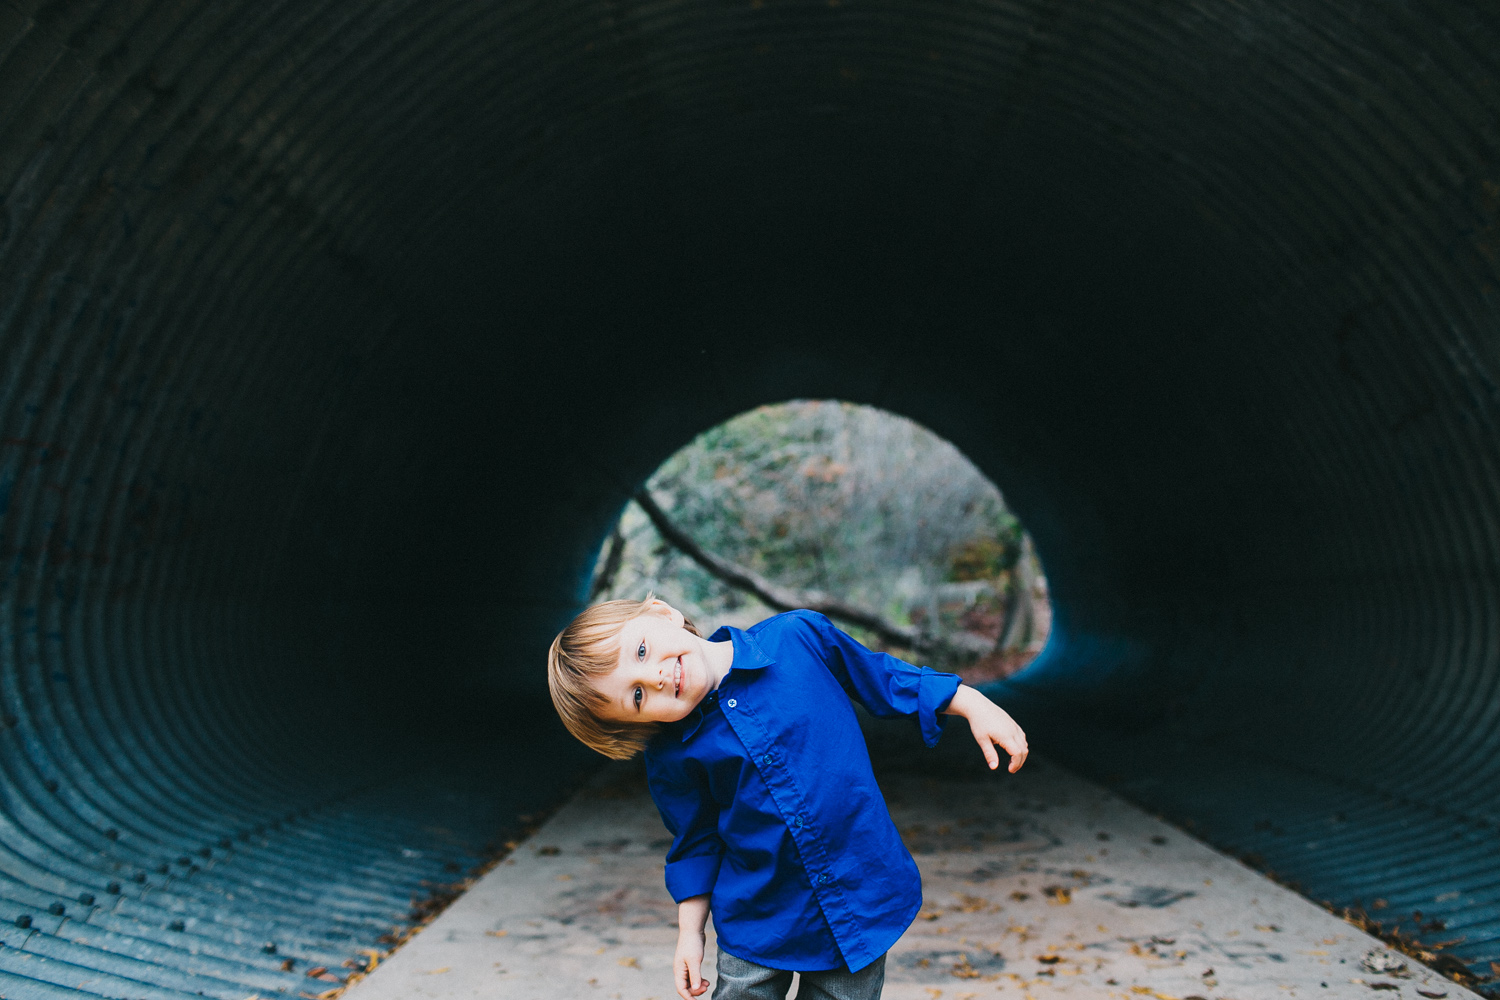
[(1038, 885)]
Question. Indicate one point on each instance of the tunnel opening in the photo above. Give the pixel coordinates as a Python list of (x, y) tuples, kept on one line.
[(824, 504), (335, 338)]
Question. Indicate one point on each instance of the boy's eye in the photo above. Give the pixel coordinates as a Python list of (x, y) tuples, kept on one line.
[(640, 651), (638, 697)]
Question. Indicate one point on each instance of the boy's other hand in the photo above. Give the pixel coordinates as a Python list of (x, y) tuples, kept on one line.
[(685, 967), (990, 725)]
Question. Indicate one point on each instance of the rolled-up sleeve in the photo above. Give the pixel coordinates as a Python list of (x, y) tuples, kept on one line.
[(692, 817), (888, 687)]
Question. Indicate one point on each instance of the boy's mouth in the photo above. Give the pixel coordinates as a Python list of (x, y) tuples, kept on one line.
[(677, 679)]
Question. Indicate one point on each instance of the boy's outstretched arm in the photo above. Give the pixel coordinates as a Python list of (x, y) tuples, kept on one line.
[(990, 724), (692, 916)]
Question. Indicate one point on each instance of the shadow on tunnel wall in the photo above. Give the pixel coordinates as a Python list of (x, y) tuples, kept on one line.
[(335, 336)]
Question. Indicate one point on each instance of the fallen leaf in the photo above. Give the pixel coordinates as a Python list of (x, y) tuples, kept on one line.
[(963, 970), (436, 972), (548, 851), (1268, 927), (1449, 965), (497, 933), (1020, 897), (286, 965), (929, 914), (1384, 986), (630, 963), (1060, 895), (1433, 994), (317, 971)]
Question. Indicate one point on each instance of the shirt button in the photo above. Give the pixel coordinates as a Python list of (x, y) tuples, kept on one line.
[(731, 703), (796, 822), (767, 760), (824, 878)]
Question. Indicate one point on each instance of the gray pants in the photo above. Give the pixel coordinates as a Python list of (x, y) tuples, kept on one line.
[(742, 980)]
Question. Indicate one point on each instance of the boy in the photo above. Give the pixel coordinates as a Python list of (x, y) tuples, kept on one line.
[(755, 760)]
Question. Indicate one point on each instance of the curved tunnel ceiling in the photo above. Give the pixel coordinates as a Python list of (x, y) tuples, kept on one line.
[(335, 335)]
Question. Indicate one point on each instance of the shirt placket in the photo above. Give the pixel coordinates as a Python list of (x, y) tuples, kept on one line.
[(770, 761)]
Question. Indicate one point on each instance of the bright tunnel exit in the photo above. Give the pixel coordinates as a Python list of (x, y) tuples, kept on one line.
[(845, 506)]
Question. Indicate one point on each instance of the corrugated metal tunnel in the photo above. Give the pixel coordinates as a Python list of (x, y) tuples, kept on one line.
[(335, 335)]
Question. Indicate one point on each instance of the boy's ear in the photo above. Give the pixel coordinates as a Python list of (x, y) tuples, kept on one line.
[(657, 606)]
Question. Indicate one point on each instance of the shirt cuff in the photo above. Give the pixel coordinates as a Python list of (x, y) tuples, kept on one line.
[(934, 691), (693, 876)]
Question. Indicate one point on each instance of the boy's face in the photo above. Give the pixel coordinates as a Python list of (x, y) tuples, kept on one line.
[(661, 672)]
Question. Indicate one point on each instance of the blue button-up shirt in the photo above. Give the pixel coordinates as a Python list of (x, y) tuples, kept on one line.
[(768, 792)]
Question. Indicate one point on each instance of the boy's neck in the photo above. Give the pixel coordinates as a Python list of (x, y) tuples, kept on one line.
[(720, 659)]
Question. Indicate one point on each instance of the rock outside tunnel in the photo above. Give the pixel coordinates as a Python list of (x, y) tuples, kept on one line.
[(335, 336)]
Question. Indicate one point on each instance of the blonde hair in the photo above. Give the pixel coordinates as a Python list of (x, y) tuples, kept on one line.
[(587, 649)]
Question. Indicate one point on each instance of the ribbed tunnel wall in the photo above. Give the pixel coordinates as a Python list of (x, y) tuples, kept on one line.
[(336, 333)]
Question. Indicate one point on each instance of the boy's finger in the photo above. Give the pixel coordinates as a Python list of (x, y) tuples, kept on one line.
[(990, 757)]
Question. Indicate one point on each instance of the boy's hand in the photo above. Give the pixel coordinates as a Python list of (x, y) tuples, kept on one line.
[(990, 724), (692, 917), (685, 967)]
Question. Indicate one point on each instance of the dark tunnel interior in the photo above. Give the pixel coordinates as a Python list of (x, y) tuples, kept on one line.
[(336, 333)]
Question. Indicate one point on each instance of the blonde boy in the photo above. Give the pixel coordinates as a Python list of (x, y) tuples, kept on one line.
[(755, 760)]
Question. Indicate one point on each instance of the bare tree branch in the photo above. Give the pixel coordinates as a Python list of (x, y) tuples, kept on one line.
[(606, 578), (781, 598), (1020, 605)]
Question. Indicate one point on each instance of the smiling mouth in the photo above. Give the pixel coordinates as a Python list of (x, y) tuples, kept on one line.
[(677, 679)]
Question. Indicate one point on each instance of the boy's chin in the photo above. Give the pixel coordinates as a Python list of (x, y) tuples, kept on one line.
[(686, 710)]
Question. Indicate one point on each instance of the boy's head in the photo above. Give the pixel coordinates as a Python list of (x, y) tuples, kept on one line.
[(598, 689)]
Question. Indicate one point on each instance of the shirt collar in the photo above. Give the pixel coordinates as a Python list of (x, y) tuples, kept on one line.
[(748, 655)]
